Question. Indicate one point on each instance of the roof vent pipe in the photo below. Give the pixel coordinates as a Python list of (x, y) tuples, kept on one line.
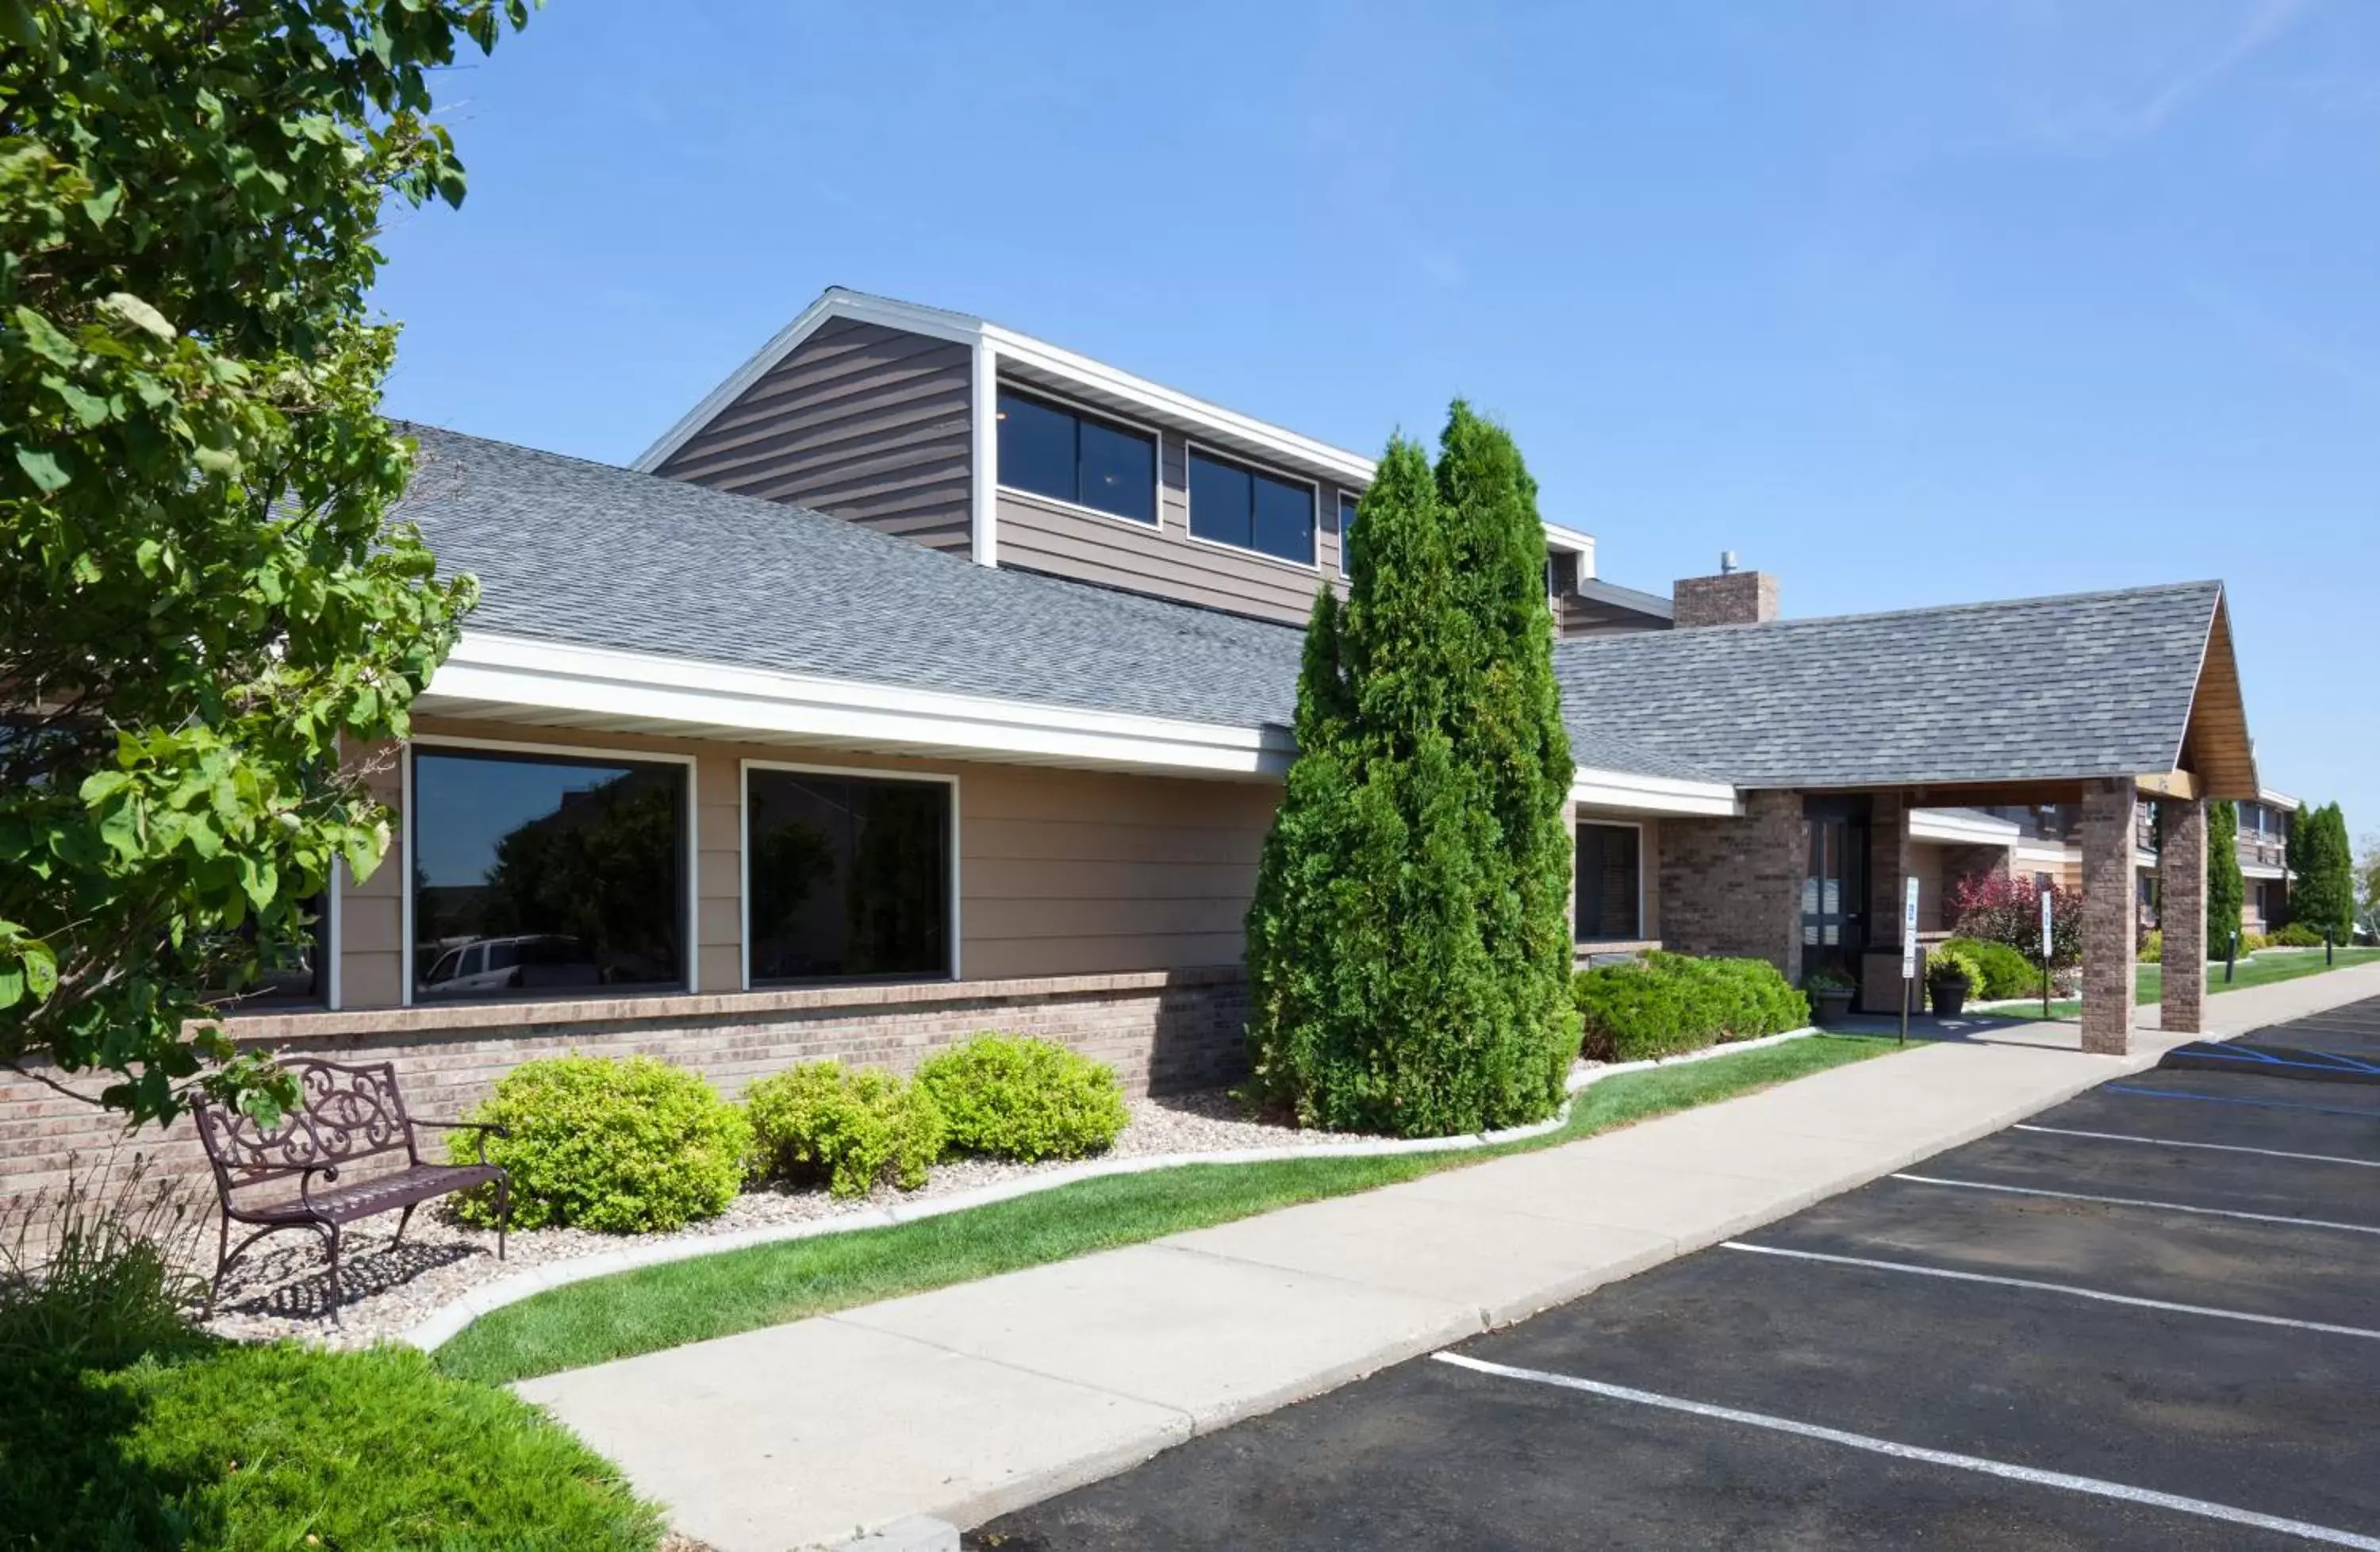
[(1727, 562)]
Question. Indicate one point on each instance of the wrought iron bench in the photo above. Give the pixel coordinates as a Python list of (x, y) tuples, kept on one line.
[(344, 1116)]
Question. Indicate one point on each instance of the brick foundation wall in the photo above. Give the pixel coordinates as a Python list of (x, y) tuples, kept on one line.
[(1161, 1032), (1733, 887)]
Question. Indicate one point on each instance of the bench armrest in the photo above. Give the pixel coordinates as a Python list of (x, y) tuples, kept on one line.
[(330, 1173), (486, 1129)]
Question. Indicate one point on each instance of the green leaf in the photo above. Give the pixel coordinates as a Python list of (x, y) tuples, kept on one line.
[(45, 340), (131, 309), (221, 461), (12, 986), (100, 206), (17, 24), (43, 469)]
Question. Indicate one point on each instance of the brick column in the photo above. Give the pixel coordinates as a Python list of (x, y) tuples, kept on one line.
[(2181, 914), (1733, 887), (2107, 924), (1888, 869)]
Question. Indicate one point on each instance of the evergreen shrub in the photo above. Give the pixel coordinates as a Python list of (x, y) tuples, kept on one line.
[(619, 1147), (2005, 971), (1666, 1004), (854, 1126), (2297, 935), (1013, 1096)]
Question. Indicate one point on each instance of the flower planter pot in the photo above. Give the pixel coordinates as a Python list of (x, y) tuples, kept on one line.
[(1950, 998), (1828, 1007)]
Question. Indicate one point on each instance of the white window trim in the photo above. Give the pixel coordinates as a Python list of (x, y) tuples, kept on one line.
[(743, 856), (1580, 821), (692, 903), (1312, 564), (1156, 524)]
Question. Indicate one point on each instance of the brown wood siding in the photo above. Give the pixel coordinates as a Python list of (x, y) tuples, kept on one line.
[(1062, 540), (1060, 872), (859, 421)]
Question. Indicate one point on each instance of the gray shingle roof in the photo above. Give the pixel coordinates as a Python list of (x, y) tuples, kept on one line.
[(583, 553), (2087, 685)]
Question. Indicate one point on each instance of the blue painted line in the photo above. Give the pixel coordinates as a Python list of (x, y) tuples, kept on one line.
[(2230, 1099), (2334, 1063)]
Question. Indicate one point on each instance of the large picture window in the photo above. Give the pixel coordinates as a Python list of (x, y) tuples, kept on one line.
[(1608, 877), (1251, 510), (546, 876), (1050, 450), (849, 876)]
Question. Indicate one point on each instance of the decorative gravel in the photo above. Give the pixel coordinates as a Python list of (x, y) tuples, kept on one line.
[(281, 1289)]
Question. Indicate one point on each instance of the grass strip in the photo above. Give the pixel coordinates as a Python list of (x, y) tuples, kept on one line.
[(669, 1306), (2264, 969)]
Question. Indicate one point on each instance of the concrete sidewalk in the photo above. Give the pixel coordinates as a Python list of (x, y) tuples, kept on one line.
[(972, 1401)]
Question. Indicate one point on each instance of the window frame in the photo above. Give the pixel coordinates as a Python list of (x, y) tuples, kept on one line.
[(1156, 523), (1348, 502), (1580, 822), (744, 770), (1311, 564), (690, 907)]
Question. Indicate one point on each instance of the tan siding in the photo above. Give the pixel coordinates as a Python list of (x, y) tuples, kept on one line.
[(1060, 872), (371, 926), (1045, 536), (860, 421)]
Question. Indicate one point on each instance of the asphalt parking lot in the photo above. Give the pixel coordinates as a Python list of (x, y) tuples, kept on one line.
[(2149, 1317)]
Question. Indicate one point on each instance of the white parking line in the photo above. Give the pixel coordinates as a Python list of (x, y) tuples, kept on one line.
[(2087, 1485), (2137, 1201), (2066, 1287), (2211, 1148)]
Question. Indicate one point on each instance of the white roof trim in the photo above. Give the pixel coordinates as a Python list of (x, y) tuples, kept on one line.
[(552, 684), (1949, 824), (1246, 433), (2048, 851), (2272, 799), (2263, 870), (1629, 792)]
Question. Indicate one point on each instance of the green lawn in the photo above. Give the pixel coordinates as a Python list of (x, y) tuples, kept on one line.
[(739, 1291), (2263, 969)]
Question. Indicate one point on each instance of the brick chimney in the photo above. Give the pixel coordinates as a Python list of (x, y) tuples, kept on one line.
[(1731, 598)]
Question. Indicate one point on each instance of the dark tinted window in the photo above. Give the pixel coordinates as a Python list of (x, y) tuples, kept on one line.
[(1063, 454), (1607, 884), (1346, 534), (1250, 509), (850, 876), (553, 876)]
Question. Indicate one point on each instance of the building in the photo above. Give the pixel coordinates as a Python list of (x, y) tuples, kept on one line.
[(927, 678)]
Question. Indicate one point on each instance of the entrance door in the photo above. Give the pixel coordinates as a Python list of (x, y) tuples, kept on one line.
[(1834, 889)]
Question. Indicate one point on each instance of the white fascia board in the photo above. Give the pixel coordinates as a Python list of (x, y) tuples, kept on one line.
[(1180, 410), (1629, 792), (1577, 541), (2272, 799), (646, 692), (1946, 824), (2047, 851), (834, 303), (2262, 870)]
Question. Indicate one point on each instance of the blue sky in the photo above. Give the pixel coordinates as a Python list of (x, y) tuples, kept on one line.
[(1908, 303)]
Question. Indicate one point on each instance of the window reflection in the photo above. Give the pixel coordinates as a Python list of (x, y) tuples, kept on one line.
[(850, 876), (542, 876)]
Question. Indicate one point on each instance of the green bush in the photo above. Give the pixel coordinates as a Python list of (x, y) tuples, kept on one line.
[(620, 1147), (221, 1447), (1013, 1096), (2152, 947), (853, 1125), (2297, 935), (2252, 942), (1666, 1004), (2005, 971)]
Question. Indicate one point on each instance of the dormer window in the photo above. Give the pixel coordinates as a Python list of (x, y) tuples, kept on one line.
[(1248, 509), (1054, 450)]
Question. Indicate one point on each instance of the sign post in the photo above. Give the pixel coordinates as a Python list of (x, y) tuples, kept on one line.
[(1908, 955), (2045, 953)]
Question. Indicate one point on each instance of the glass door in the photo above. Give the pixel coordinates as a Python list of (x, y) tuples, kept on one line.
[(1834, 888)]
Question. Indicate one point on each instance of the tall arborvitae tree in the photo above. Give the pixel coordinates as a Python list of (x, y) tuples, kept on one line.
[(2225, 889), (1405, 946), (2323, 859)]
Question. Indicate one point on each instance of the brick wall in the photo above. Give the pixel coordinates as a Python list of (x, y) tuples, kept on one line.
[(2107, 917), (1733, 886), (1731, 598), (1161, 1031)]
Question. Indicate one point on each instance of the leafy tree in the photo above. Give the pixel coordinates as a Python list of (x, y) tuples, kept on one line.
[(1407, 949), (2323, 859), (201, 593), (2367, 884), (2004, 909), (2227, 891)]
